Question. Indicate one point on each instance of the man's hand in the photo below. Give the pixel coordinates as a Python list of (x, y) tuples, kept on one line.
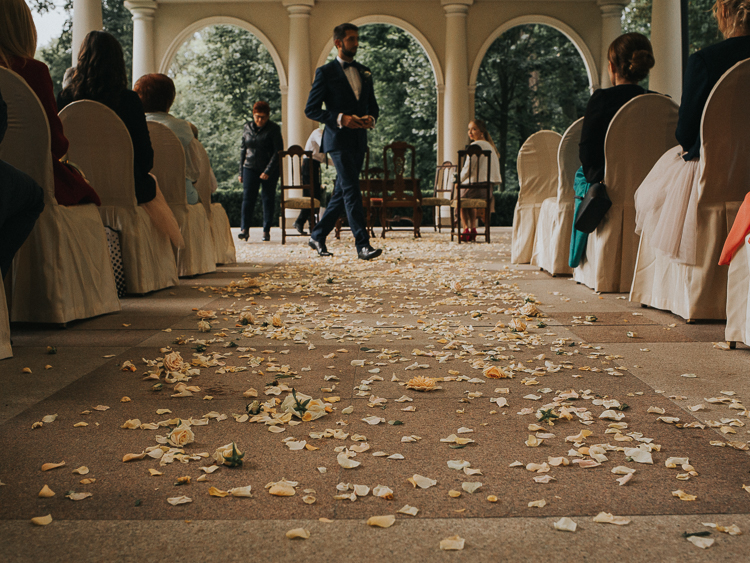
[(354, 122), (264, 176), (239, 179)]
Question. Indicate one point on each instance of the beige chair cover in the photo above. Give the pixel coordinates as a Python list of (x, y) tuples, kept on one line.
[(5, 350), (217, 217), (699, 291), (639, 134), (198, 256), (537, 178), (63, 271), (738, 290), (100, 144), (552, 238)]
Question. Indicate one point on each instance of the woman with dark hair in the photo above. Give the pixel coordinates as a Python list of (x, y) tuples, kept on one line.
[(631, 57), (157, 94), (675, 177), (17, 48), (259, 167), (100, 76)]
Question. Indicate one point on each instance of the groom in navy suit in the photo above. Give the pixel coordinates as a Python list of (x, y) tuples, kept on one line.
[(345, 87)]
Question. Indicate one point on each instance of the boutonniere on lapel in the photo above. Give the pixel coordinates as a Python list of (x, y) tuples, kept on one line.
[(366, 75)]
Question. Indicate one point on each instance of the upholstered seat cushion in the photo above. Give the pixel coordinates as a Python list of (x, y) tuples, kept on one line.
[(470, 203), (430, 201), (300, 203)]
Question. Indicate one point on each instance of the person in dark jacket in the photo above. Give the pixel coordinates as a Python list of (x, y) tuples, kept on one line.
[(259, 167)]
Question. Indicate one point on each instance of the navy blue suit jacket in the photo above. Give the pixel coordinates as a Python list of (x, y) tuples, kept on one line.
[(332, 88), (703, 71)]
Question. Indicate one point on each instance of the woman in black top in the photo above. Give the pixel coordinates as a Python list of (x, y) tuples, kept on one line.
[(666, 201), (630, 60), (259, 167)]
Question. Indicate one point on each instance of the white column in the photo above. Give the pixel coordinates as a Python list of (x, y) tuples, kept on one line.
[(666, 38), (87, 17), (456, 99), (611, 30), (143, 36)]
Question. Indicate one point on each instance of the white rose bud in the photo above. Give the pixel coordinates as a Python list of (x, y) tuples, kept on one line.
[(204, 326), (181, 436), (173, 361)]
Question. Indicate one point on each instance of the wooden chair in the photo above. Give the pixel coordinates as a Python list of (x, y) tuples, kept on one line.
[(555, 223), (638, 135), (442, 190), (371, 186), (290, 168), (100, 144), (400, 191), (63, 270), (537, 179), (198, 256), (699, 290), (476, 159)]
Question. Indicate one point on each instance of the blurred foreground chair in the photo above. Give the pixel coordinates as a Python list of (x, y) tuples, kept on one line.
[(63, 271), (637, 137), (5, 349), (100, 144), (401, 191), (738, 297), (537, 180), (290, 168), (198, 256), (221, 233), (442, 190), (555, 223), (476, 159), (699, 291)]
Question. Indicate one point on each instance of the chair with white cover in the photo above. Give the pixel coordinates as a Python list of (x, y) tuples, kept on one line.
[(5, 349), (100, 144), (639, 134), (198, 256), (738, 297), (63, 271), (555, 223), (699, 291), (221, 233), (537, 179)]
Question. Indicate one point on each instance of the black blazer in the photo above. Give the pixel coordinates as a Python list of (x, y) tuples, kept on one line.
[(332, 88), (703, 71), (602, 107)]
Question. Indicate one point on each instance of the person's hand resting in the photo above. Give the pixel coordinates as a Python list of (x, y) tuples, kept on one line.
[(264, 176), (354, 122)]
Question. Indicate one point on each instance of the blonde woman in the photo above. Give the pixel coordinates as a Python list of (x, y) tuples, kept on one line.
[(665, 202), (17, 48), (478, 135)]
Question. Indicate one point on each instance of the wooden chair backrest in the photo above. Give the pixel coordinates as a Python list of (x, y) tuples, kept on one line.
[(396, 160)]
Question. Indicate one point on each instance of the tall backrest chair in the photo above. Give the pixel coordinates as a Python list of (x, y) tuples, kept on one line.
[(442, 191), (699, 290), (639, 134), (100, 144), (478, 163), (63, 271), (401, 190), (555, 223), (221, 232), (290, 168), (198, 256), (537, 180)]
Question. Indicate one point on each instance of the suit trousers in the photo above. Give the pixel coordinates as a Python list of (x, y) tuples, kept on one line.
[(346, 196), (21, 202), (251, 183)]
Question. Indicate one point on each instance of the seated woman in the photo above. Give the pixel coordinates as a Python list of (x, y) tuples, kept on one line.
[(476, 171), (100, 76), (157, 94), (17, 48), (630, 59), (674, 178)]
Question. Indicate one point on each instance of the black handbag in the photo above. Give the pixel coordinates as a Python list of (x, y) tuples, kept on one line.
[(593, 208)]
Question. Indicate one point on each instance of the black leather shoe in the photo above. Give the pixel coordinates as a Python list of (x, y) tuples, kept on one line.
[(300, 228), (368, 252), (243, 235), (320, 247), (266, 236)]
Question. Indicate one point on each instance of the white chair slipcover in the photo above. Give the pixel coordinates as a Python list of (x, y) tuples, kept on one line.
[(100, 144), (555, 223), (738, 290), (699, 291), (5, 349), (217, 217), (63, 271), (198, 256), (537, 178), (638, 136)]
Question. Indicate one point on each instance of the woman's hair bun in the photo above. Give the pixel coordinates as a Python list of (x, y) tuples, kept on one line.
[(640, 63), (632, 56)]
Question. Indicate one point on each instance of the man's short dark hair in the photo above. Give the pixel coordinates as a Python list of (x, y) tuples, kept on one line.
[(339, 32)]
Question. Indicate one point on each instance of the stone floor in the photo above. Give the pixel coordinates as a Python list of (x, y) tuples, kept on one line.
[(500, 344)]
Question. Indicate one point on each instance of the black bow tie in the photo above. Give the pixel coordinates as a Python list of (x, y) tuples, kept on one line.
[(347, 65)]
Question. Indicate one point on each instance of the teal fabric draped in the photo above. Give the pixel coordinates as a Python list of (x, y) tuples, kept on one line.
[(578, 239)]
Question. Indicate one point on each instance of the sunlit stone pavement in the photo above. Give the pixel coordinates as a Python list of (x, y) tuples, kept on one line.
[(494, 353)]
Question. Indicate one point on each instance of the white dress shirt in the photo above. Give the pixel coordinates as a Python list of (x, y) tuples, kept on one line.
[(355, 81), (313, 144)]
